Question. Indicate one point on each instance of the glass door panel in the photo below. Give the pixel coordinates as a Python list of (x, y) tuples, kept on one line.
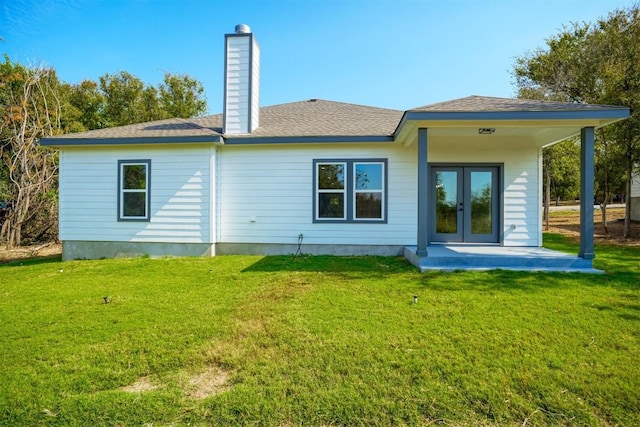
[(464, 204), (448, 197), (481, 190)]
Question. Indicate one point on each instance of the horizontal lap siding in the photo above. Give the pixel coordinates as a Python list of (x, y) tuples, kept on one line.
[(266, 195), (635, 186), (521, 196), (180, 192)]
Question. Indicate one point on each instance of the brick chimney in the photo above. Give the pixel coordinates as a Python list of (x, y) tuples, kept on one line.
[(241, 82)]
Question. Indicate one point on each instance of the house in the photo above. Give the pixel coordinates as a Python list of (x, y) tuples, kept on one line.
[(635, 197), (336, 177)]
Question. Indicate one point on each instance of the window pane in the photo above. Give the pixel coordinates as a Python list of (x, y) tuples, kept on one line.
[(368, 176), (331, 205), (135, 177), (331, 176), (369, 205), (447, 202), (134, 204), (481, 202)]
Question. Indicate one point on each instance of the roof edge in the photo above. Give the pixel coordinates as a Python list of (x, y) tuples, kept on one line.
[(251, 140), (69, 142), (614, 113)]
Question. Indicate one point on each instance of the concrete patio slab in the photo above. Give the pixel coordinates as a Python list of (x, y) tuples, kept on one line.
[(451, 257)]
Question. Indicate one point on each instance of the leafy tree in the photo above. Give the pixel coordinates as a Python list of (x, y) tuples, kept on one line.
[(88, 105), (182, 96), (128, 100), (29, 109), (124, 99), (595, 63)]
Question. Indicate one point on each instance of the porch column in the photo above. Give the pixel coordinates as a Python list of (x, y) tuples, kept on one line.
[(586, 192), (423, 191)]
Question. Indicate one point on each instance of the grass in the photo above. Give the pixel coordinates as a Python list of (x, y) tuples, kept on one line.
[(327, 341)]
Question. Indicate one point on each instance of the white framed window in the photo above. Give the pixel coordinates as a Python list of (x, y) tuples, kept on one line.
[(350, 190), (134, 189)]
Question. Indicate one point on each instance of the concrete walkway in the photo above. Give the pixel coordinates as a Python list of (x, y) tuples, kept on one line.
[(450, 257)]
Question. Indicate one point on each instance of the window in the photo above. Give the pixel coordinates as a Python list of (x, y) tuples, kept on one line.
[(133, 190), (350, 190)]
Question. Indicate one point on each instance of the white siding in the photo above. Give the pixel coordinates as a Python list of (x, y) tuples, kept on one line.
[(635, 185), (255, 87), (238, 79), (521, 197), (266, 195), (180, 195)]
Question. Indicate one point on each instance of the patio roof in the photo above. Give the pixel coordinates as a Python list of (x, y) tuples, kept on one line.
[(540, 123)]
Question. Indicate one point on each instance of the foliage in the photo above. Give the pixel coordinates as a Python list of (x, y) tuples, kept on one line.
[(182, 96), (29, 110), (326, 341), (563, 163), (594, 63)]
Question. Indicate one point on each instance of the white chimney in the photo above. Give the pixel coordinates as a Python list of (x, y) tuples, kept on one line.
[(241, 82)]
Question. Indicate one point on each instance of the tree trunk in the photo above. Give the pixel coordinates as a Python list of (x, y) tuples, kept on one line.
[(627, 206), (605, 201)]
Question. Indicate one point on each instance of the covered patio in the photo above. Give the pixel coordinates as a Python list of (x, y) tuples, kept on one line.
[(504, 139), (479, 257)]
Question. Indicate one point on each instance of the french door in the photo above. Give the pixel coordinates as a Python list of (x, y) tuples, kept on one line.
[(465, 204)]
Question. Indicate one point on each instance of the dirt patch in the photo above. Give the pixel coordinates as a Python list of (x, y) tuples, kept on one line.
[(567, 222), (141, 385), (27, 252), (208, 383)]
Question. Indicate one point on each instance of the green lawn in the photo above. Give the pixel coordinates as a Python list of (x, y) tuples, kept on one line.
[(244, 340)]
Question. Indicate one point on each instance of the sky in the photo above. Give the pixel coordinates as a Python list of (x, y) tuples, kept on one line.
[(396, 54)]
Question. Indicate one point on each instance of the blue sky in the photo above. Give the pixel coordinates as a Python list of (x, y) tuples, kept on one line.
[(393, 54)]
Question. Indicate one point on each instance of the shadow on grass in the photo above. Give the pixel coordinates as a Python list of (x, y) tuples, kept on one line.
[(332, 264), (32, 261)]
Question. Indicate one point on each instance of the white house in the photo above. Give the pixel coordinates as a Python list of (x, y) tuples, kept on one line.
[(346, 179), (635, 197)]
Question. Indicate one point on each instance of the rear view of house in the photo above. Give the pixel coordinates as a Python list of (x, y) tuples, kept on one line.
[(349, 179)]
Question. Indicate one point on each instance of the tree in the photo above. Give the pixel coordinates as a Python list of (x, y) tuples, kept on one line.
[(182, 96), (88, 104), (29, 110), (128, 100), (594, 63), (617, 41), (124, 99), (561, 170)]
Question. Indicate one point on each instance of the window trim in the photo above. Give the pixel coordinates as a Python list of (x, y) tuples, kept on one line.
[(343, 191), (383, 209), (122, 191), (350, 191)]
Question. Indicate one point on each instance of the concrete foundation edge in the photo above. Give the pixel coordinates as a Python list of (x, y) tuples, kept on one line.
[(75, 249)]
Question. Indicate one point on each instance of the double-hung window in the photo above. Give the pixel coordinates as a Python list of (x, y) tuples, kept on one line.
[(350, 190), (134, 178)]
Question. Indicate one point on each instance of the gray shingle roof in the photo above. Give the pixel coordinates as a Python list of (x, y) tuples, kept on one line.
[(305, 118), (487, 104), (311, 118), (158, 128)]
